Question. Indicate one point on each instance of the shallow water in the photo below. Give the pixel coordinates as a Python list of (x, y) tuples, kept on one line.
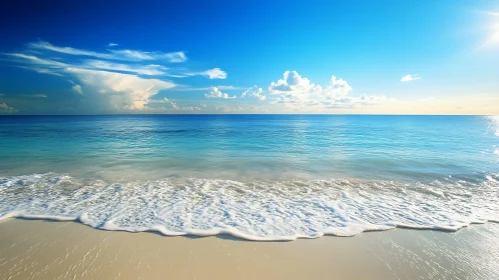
[(259, 177)]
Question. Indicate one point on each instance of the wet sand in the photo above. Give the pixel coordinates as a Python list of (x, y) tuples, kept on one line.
[(32, 249)]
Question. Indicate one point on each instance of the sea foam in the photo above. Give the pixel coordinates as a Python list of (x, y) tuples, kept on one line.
[(260, 210)]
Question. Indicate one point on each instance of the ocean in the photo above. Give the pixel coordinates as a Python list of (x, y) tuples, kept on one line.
[(256, 177)]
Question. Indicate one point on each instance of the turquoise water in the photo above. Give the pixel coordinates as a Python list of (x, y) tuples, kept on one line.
[(261, 177)]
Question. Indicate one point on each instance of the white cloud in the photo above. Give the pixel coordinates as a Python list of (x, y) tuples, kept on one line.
[(67, 50), (4, 108), (39, 95), (112, 45), (51, 64), (104, 84), (299, 93), (254, 92), (291, 82), (409, 77), (121, 91), (113, 54), (41, 70), (215, 73), (114, 90), (336, 88), (216, 93), (173, 57), (151, 69), (77, 88), (38, 58)]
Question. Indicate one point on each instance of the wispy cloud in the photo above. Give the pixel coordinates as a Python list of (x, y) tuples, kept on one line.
[(215, 73), (39, 95), (410, 77), (173, 57), (67, 50), (151, 69), (116, 79), (39, 61), (134, 55), (39, 55), (112, 45)]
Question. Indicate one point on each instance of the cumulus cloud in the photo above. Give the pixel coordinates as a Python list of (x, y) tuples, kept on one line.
[(254, 92), (297, 92), (216, 93), (111, 89), (4, 108), (410, 77), (121, 90), (291, 82)]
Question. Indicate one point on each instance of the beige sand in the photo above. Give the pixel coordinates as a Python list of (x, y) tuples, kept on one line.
[(62, 250)]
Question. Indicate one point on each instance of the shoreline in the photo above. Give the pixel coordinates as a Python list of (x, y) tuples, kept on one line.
[(40, 249), (233, 233)]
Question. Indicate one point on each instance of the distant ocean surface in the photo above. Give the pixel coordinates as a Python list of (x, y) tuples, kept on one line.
[(257, 177)]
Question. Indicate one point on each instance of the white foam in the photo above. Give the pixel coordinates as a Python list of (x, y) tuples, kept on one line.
[(260, 211)]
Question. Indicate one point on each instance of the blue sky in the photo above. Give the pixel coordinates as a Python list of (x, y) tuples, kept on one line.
[(388, 57)]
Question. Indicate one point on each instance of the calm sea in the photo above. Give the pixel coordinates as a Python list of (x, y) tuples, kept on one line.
[(259, 177)]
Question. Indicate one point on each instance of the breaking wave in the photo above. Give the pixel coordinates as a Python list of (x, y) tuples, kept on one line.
[(259, 210)]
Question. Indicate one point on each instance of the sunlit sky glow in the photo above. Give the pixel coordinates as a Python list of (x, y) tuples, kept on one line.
[(345, 57)]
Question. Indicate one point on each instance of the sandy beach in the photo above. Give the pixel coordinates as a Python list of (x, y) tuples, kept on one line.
[(37, 249)]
